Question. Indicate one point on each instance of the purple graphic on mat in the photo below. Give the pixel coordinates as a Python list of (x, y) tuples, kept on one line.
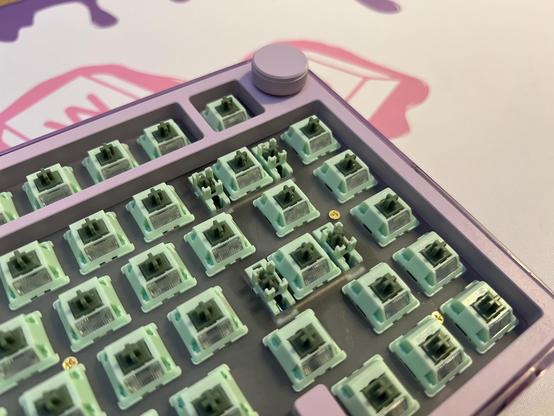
[(382, 6), (18, 15)]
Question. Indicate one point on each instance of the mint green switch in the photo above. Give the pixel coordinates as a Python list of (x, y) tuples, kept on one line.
[(217, 394), (310, 139), (89, 311), (374, 390), (137, 364), (158, 210), (151, 412), (304, 349), (50, 185), (431, 262), (206, 323), (270, 286), (432, 354), (66, 393), (162, 138), (209, 190), (345, 175), (96, 240), (218, 242), (340, 246), (381, 296), (286, 207), (29, 350), (29, 272), (157, 275), (305, 265), (481, 314), (8, 212), (386, 216), (108, 160), (3, 412), (240, 173), (224, 113), (273, 158)]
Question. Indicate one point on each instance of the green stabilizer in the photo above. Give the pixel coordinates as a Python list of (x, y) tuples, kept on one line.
[(269, 286), (209, 190), (273, 158)]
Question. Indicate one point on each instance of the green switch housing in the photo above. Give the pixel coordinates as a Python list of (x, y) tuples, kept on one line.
[(286, 207), (345, 175), (217, 394), (108, 160), (431, 262), (381, 296), (310, 138), (89, 311), (269, 286), (8, 212), (273, 158), (374, 390), (157, 275), (340, 246), (209, 190), (25, 349), (240, 173), (66, 393), (50, 185), (481, 314), (224, 113), (137, 364), (29, 272), (162, 138), (386, 216), (158, 210), (432, 354), (96, 240), (206, 323), (304, 349), (218, 242), (304, 264)]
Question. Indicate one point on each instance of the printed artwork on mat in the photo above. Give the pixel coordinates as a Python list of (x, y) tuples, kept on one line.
[(380, 94)]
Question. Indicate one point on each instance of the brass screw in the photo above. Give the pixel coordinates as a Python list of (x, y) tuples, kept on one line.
[(438, 316), (334, 215), (69, 363)]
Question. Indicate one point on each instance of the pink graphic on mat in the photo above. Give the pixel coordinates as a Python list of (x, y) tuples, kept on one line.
[(380, 94), (72, 97), (382, 6), (18, 15)]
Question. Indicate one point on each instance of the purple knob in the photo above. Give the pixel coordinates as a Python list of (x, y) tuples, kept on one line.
[(279, 69)]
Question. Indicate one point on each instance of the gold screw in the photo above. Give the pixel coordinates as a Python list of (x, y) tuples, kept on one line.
[(334, 215), (438, 316), (69, 363)]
